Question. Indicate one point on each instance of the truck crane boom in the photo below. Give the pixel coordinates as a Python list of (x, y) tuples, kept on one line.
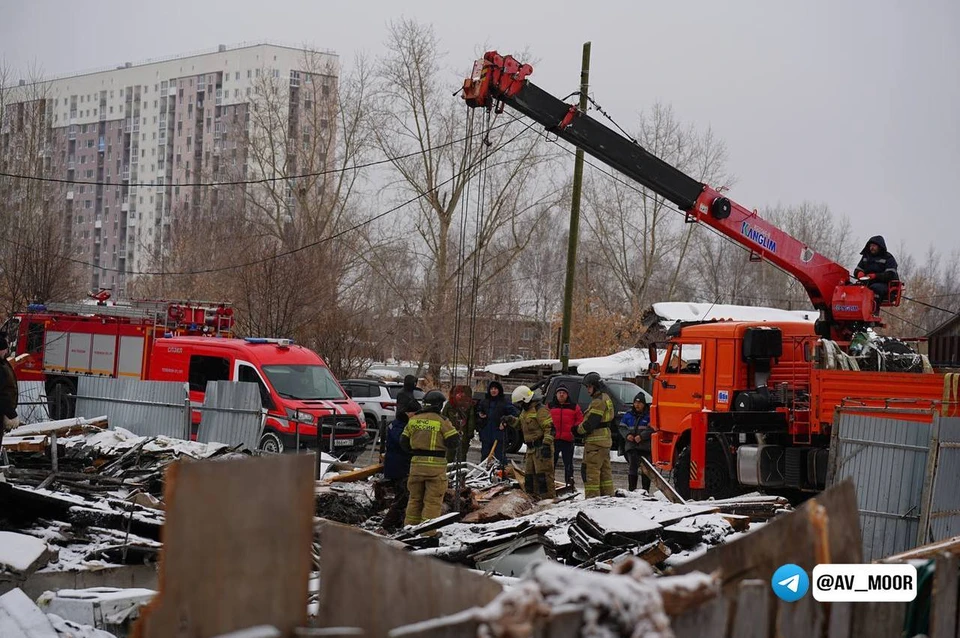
[(845, 308)]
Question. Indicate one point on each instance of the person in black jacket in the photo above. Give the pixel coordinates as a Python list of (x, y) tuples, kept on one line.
[(8, 391), (877, 268), (407, 404)]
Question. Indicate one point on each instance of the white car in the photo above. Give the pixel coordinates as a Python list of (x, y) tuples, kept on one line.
[(378, 400)]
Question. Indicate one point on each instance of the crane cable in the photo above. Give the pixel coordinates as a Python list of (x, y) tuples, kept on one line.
[(478, 243)]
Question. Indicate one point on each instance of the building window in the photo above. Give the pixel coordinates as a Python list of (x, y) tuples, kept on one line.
[(236, 76)]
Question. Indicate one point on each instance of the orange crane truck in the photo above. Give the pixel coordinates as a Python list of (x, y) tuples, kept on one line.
[(739, 404)]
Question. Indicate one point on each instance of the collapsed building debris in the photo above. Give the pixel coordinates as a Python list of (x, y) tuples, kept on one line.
[(21, 618)]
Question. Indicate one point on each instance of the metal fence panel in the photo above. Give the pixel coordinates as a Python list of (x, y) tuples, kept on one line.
[(146, 408), (231, 414), (945, 501), (886, 457), (32, 402)]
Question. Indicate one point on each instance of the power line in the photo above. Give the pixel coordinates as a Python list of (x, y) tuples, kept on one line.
[(313, 244), (262, 180)]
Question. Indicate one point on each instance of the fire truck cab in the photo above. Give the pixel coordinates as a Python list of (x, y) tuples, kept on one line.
[(189, 342)]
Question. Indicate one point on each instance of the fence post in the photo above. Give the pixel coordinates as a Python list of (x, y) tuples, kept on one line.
[(929, 480), (188, 413)]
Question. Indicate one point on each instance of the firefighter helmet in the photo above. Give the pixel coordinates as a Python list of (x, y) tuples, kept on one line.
[(521, 394), (592, 379), (434, 399)]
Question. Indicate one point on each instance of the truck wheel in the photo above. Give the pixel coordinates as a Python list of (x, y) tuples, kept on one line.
[(59, 402), (717, 481), (271, 443)]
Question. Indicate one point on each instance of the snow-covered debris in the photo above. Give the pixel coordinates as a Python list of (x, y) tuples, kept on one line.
[(21, 618), (117, 441), (21, 553), (614, 605)]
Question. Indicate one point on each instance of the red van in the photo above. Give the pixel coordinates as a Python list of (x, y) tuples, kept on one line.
[(295, 386)]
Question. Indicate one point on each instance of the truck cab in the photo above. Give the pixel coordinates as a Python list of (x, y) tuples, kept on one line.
[(738, 378), (296, 388)]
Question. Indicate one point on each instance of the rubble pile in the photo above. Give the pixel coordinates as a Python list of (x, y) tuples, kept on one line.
[(90, 495), (595, 533)]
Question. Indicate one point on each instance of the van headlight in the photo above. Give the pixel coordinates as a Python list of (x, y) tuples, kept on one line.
[(302, 417)]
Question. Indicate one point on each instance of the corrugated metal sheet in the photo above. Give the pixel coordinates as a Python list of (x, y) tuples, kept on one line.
[(32, 402), (945, 501), (886, 457), (231, 414), (146, 408)]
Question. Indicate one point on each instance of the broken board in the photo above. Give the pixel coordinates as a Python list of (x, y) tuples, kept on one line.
[(236, 547), (427, 588)]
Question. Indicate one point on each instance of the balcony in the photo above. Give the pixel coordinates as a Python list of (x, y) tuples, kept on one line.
[(172, 91), (128, 125), (69, 196), (125, 176)]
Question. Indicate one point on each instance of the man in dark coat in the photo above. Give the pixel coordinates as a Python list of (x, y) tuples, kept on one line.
[(8, 391), (877, 268), (407, 404), (491, 409)]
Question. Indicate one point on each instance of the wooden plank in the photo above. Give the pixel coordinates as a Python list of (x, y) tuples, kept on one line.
[(236, 547), (751, 617), (365, 563), (949, 546), (801, 619), (841, 619), (739, 522), (706, 621), (356, 475), (656, 479), (943, 616), (878, 620), (760, 553)]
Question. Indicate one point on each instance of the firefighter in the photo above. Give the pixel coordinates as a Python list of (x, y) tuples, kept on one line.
[(536, 425), (461, 411), (427, 437), (598, 439)]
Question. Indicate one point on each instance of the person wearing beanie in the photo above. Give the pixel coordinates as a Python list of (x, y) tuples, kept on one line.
[(8, 390)]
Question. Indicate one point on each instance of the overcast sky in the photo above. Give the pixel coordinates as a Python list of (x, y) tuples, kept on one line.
[(854, 104)]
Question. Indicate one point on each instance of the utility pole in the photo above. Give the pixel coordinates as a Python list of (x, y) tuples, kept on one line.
[(574, 223)]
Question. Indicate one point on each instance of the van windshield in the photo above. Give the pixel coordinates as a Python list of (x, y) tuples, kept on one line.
[(304, 382)]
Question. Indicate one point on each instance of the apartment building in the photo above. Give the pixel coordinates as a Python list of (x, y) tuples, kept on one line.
[(143, 136)]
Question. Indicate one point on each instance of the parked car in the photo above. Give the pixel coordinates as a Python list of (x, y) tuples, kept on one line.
[(377, 399), (622, 393)]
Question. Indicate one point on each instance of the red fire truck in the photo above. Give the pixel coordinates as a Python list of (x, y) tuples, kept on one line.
[(189, 342)]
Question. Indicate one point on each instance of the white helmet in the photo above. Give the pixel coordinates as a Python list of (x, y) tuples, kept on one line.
[(521, 394)]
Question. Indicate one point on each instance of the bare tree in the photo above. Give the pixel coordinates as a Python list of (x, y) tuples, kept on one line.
[(35, 264), (436, 147), (640, 237)]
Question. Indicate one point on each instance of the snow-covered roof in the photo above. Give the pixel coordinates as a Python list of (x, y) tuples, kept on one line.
[(670, 312), (621, 365)]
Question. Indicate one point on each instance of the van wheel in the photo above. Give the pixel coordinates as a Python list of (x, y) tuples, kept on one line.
[(271, 443)]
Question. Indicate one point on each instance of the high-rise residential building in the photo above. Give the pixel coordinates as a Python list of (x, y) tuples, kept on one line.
[(141, 135)]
